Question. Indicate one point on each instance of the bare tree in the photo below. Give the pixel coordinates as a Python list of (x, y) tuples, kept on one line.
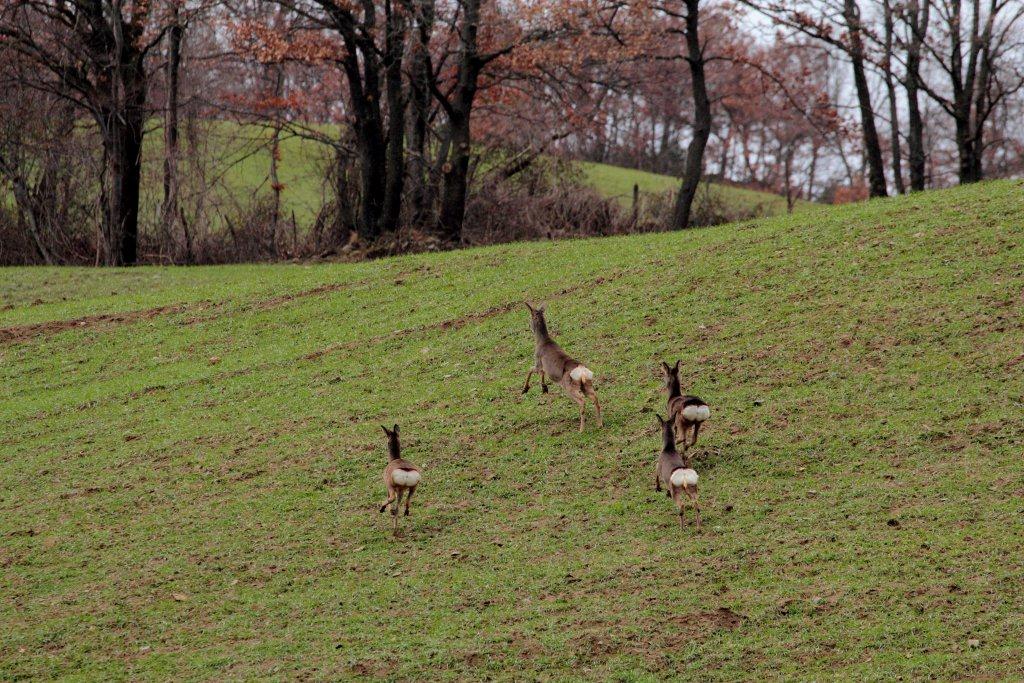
[(694, 166), (819, 19), (172, 72), (980, 39), (916, 18), (94, 52)]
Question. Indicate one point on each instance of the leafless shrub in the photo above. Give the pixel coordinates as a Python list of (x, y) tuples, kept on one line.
[(709, 208), (545, 200)]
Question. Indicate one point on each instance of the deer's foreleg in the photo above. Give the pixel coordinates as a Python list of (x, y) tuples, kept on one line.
[(526, 387)]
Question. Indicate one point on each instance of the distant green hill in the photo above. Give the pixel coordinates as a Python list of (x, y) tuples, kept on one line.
[(615, 181), (190, 459)]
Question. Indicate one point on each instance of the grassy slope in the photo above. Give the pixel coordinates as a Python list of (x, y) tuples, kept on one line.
[(205, 453)]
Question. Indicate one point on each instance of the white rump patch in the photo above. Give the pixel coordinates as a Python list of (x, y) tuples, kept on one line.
[(405, 477), (684, 477), (580, 374), (696, 413)]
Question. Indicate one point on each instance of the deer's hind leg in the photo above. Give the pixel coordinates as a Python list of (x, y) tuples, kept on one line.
[(696, 504), (589, 389), (677, 499), (576, 394), (394, 511), (391, 497), (408, 497)]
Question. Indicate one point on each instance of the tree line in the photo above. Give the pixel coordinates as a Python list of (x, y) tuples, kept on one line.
[(428, 108)]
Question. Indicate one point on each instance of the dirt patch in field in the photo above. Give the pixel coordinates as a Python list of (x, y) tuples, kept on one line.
[(286, 298), (374, 667), (461, 321), (696, 624), (20, 333)]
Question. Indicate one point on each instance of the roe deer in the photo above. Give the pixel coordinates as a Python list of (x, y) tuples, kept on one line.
[(688, 412), (552, 361), (675, 473), (400, 476)]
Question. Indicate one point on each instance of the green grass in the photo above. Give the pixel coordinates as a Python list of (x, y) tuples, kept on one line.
[(617, 182), (862, 367)]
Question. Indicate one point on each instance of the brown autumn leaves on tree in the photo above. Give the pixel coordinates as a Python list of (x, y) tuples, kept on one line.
[(418, 92)]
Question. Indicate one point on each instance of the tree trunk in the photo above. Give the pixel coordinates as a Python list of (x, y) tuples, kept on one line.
[(812, 171), (872, 147), (456, 178), (701, 121), (894, 120), (918, 14), (395, 168), (169, 209), (124, 166), (419, 89), (456, 168), (787, 170), (372, 176), (275, 160), (362, 72)]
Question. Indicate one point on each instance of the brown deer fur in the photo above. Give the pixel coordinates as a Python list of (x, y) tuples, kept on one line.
[(676, 474), (550, 361), (402, 470), (681, 405)]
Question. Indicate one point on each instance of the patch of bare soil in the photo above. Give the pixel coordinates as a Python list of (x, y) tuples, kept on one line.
[(21, 333), (461, 321), (696, 624), (285, 298), (374, 667)]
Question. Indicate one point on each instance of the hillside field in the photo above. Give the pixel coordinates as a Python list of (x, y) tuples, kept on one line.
[(191, 458)]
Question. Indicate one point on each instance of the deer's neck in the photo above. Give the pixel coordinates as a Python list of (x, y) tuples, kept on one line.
[(674, 389), (668, 442), (394, 451), (541, 334)]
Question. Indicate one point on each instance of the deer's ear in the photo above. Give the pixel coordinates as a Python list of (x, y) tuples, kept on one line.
[(385, 430), (678, 363), (664, 365), (527, 304), (396, 430), (660, 421), (542, 308)]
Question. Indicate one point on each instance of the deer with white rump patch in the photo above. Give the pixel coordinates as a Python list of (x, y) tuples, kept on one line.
[(551, 361), (675, 473), (687, 412), (400, 476)]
